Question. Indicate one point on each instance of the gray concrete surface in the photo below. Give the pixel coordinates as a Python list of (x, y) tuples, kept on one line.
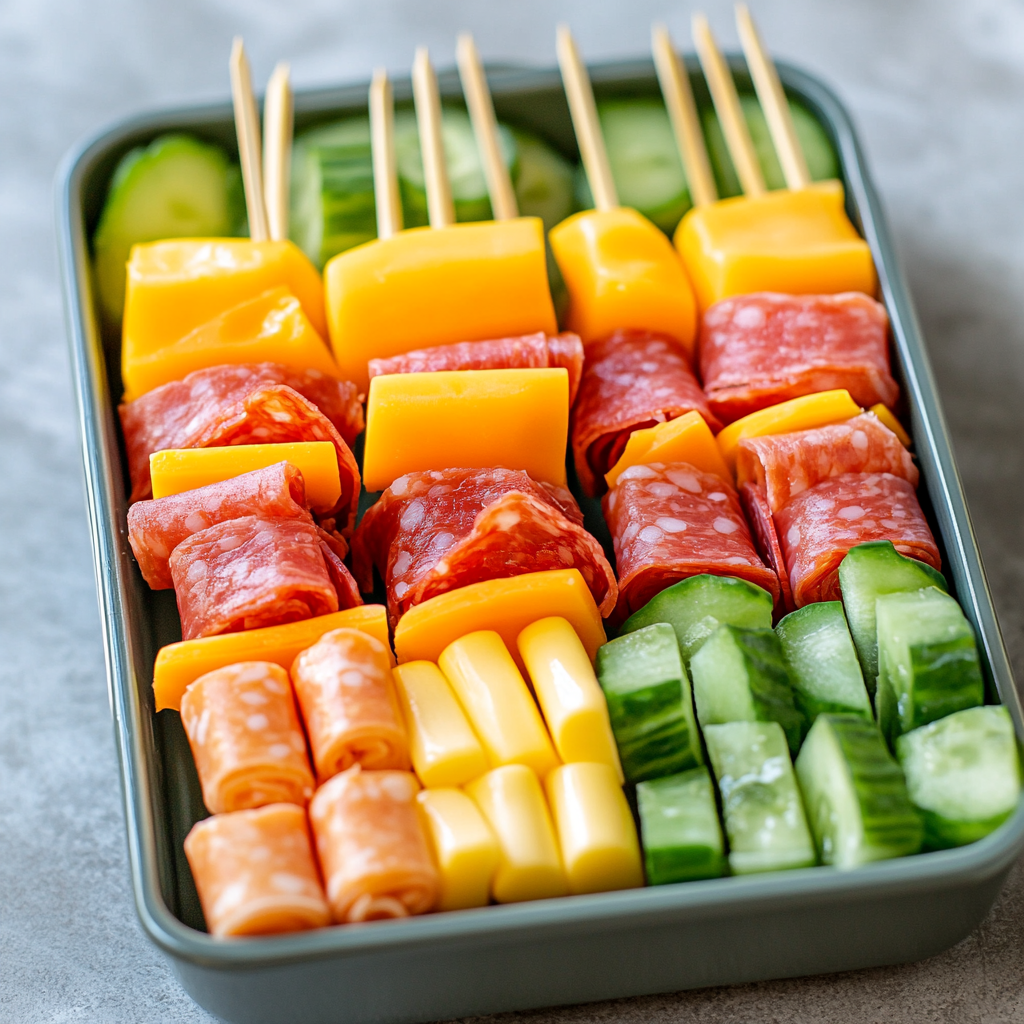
[(938, 90)]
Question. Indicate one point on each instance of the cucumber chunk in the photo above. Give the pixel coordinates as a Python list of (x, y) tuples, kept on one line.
[(740, 675), (963, 774), (822, 661), (649, 703), (856, 798), (697, 606), (176, 187), (928, 661), (679, 828), (764, 818), (866, 573), (544, 185)]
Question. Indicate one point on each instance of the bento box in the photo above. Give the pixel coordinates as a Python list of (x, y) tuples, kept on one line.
[(550, 952)]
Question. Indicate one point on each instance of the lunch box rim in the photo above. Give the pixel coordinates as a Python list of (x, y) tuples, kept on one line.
[(976, 863)]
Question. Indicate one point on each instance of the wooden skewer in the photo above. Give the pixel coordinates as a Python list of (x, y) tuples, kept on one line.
[(247, 127), (278, 113), (382, 146), (440, 207), (485, 128), (727, 106), (773, 102), (580, 95), (675, 87)]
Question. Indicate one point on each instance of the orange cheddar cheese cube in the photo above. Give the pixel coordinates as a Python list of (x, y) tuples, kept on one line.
[(473, 419)]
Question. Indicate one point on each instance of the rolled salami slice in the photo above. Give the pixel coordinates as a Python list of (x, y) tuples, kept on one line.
[(255, 872), (671, 521), (630, 380), (349, 704), (766, 540), (254, 403), (334, 548), (373, 850), (528, 351), (246, 738), (822, 523), (761, 349), (157, 526), (250, 572), (783, 465), (433, 532)]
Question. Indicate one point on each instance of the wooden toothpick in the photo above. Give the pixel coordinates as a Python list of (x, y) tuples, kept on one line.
[(277, 150), (440, 207), (382, 146), (247, 127)]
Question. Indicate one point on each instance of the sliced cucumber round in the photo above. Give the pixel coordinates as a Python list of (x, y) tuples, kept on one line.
[(544, 185)]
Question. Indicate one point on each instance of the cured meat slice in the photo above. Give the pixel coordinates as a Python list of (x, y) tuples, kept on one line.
[(246, 738), (334, 548), (432, 532), (373, 850), (670, 521), (783, 465), (761, 349), (822, 523), (528, 351), (157, 526), (256, 403), (250, 572), (255, 872), (349, 704), (766, 540), (631, 380)]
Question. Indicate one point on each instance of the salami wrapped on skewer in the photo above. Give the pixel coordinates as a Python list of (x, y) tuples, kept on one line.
[(766, 539)]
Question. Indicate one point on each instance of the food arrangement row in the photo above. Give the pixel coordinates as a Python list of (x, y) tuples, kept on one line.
[(789, 682)]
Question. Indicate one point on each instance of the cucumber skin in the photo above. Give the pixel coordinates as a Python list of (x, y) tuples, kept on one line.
[(943, 834)]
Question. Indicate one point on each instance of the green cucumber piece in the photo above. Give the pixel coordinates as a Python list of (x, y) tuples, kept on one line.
[(764, 818), (679, 828), (176, 187), (866, 573), (928, 660), (697, 606), (822, 661), (544, 185), (963, 774), (856, 798), (740, 675), (644, 158), (649, 703), (821, 157)]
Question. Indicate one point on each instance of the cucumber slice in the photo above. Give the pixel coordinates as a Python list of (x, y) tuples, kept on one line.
[(544, 185), (679, 828), (740, 675), (963, 774), (176, 187), (855, 794), (818, 151), (644, 159), (697, 606), (868, 571), (649, 703), (764, 818), (928, 661), (822, 661)]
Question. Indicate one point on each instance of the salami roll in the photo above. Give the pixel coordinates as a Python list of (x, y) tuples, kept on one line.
[(349, 704), (766, 540), (250, 572), (254, 403), (246, 738), (157, 526), (334, 548), (783, 465), (528, 351), (432, 532), (630, 380), (761, 349), (671, 521), (822, 523), (255, 872), (373, 850)]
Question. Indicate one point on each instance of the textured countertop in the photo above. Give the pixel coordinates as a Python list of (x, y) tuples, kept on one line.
[(937, 90)]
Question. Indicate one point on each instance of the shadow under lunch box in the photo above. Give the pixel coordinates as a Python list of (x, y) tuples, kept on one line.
[(557, 951)]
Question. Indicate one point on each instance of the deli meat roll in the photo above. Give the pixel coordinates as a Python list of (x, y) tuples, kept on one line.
[(255, 872), (766, 539), (373, 851), (348, 700), (246, 738)]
